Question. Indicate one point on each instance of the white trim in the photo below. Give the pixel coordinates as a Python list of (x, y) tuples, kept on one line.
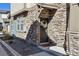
[(21, 18)]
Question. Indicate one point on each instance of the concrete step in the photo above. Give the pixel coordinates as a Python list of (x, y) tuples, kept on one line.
[(57, 49), (54, 50)]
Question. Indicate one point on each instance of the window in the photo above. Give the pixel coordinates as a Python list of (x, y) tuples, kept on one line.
[(20, 23)]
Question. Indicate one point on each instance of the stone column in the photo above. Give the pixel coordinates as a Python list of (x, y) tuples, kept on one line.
[(74, 30)]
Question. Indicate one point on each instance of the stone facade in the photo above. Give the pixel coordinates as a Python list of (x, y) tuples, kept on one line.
[(32, 25), (74, 43), (57, 26)]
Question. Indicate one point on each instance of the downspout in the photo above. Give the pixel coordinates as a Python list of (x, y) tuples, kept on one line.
[(66, 42), (24, 5)]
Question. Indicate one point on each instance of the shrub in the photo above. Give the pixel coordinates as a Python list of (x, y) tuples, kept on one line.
[(7, 37)]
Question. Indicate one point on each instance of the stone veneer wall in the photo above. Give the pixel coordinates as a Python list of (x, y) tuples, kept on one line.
[(57, 26), (74, 43), (31, 32)]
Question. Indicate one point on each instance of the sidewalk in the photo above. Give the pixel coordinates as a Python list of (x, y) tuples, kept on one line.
[(2, 52)]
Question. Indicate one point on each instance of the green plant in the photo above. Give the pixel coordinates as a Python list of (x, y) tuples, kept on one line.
[(7, 37)]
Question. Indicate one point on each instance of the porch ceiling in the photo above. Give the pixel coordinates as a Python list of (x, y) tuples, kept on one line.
[(53, 6)]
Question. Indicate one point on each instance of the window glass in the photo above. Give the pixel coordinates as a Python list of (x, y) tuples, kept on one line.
[(20, 22)]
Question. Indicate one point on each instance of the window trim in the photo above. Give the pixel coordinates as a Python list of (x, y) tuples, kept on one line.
[(20, 21)]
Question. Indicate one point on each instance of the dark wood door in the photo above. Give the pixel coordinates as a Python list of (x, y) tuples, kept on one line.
[(43, 35)]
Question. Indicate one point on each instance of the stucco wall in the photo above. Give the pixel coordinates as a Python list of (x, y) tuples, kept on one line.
[(74, 18), (15, 7), (29, 5), (1, 20)]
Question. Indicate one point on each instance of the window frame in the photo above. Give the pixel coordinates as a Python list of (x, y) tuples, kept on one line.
[(20, 23)]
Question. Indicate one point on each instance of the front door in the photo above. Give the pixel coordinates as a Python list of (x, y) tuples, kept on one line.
[(43, 35)]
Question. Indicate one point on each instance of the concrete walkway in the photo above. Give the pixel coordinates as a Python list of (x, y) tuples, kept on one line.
[(2, 52)]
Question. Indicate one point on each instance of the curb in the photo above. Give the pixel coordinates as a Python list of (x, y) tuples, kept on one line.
[(10, 49)]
